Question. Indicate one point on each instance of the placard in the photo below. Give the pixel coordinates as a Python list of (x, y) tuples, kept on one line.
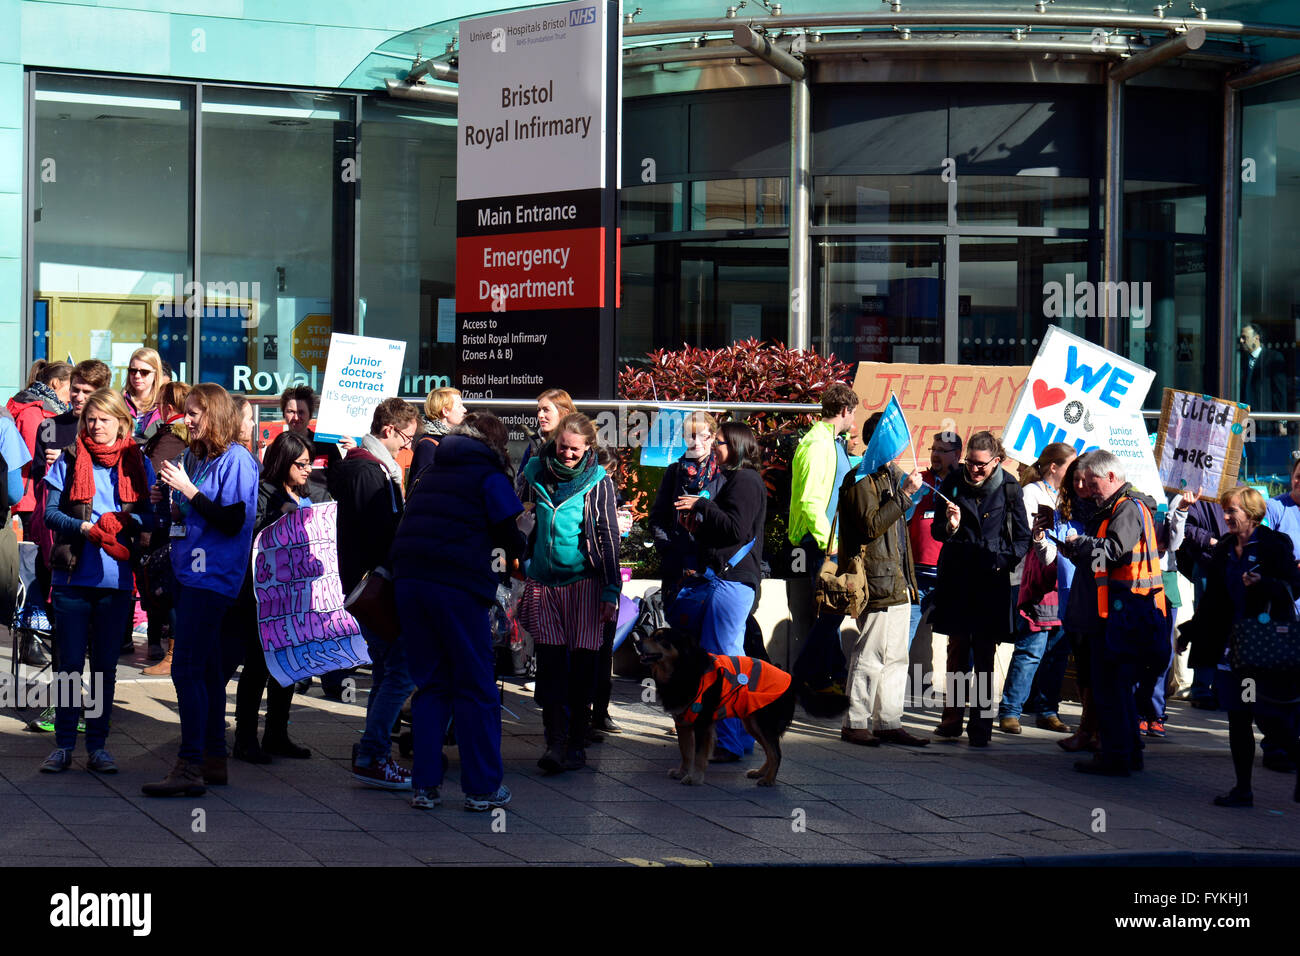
[(300, 618), (360, 373), (1126, 437), (1073, 387), (666, 439), (940, 398), (1199, 443)]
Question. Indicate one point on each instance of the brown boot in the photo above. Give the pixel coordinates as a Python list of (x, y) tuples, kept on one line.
[(1084, 737), (164, 667), (185, 779), (214, 771)]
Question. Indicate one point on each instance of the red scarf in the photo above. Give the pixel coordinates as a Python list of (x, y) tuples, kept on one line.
[(123, 454)]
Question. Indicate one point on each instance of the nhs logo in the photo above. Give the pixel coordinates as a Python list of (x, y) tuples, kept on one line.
[(582, 16)]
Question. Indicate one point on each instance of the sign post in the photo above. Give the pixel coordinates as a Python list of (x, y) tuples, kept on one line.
[(537, 177)]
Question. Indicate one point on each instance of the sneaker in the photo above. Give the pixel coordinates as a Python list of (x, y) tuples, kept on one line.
[(426, 798), (58, 761), (384, 774), (101, 761), (1143, 727), (1156, 728), (487, 801)]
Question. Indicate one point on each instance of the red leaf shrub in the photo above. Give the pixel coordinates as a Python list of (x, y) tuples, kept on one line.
[(748, 371)]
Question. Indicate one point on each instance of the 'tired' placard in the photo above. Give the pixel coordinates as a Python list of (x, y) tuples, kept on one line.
[(1199, 444)]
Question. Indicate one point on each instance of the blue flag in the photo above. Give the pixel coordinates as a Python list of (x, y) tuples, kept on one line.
[(890, 437)]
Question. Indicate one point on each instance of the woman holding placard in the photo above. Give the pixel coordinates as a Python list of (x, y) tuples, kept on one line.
[(284, 489)]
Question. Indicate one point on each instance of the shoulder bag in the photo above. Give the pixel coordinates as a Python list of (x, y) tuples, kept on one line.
[(842, 591)]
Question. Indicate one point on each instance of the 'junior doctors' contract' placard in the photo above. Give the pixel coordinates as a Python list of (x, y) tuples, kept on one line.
[(360, 373), (1074, 387)]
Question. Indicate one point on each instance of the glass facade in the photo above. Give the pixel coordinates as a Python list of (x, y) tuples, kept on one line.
[(112, 233), (942, 215)]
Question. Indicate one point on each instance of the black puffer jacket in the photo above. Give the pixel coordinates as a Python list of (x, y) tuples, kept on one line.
[(974, 590)]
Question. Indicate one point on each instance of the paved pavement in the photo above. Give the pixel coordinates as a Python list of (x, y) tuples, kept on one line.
[(1016, 801)]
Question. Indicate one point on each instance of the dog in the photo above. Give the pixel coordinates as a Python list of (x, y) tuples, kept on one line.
[(698, 689)]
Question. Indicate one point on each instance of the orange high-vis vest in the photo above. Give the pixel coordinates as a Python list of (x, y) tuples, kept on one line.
[(747, 685), (1142, 574)]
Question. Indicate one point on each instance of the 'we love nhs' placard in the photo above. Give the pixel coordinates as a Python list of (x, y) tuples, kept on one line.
[(1074, 388)]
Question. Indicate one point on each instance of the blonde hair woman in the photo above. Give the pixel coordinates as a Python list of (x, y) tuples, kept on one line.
[(444, 409), (144, 377)]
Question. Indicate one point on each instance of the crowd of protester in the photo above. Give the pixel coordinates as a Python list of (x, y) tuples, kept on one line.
[(158, 489)]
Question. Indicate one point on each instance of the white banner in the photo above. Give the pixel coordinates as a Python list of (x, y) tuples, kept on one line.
[(1074, 388)]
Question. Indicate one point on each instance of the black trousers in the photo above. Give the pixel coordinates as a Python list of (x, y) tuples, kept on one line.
[(965, 649), (1114, 677)]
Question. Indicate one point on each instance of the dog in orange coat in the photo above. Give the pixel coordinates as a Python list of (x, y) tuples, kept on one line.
[(698, 689)]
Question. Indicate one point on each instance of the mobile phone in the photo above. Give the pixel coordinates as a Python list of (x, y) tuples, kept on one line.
[(1045, 513)]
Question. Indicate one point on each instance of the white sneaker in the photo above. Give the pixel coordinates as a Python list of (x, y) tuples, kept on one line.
[(426, 798), (487, 801)]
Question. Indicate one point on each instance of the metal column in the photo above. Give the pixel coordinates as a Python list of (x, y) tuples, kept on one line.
[(1113, 236), (1228, 238), (800, 335)]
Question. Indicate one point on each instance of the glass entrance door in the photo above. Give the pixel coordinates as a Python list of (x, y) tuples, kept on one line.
[(879, 300)]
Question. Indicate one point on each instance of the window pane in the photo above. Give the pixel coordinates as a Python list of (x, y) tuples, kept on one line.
[(1270, 296), (1164, 207), (880, 300), (272, 216), (708, 294), (848, 200), (656, 207), (738, 203), (1169, 334), (408, 237), (1022, 201), (1004, 306), (111, 218)]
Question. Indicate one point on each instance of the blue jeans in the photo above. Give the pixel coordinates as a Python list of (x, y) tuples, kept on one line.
[(1027, 660), (91, 619), (723, 632), (448, 643), (197, 671), (390, 683), (927, 579), (1202, 677), (1045, 693)]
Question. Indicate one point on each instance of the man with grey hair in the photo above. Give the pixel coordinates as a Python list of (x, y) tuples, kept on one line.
[(1120, 609)]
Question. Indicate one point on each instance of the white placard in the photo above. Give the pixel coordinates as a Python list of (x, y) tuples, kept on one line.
[(1126, 437), (360, 373), (1074, 388), (532, 101)]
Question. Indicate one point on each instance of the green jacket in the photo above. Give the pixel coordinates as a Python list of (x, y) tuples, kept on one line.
[(812, 476)]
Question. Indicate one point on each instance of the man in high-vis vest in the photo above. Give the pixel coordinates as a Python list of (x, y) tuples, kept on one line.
[(1123, 604)]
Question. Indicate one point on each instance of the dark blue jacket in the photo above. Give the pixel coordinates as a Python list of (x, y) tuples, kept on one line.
[(457, 514)]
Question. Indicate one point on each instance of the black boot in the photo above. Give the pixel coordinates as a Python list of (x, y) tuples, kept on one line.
[(582, 681), (557, 732)]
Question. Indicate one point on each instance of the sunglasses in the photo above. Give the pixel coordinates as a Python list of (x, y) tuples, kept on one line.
[(139, 371), (302, 464)]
